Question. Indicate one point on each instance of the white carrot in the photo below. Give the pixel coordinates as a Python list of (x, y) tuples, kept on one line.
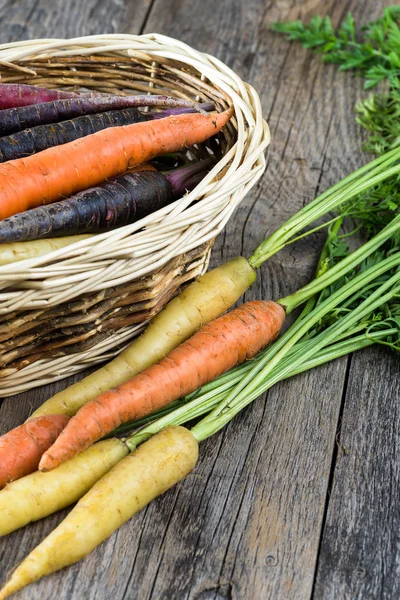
[(40, 494)]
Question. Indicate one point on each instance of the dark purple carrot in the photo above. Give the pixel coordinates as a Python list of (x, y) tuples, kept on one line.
[(186, 178), (35, 139), (13, 120), (205, 106), (20, 94), (112, 204)]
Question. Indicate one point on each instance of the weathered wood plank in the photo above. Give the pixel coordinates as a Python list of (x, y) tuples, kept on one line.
[(360, 550), (30, 19)]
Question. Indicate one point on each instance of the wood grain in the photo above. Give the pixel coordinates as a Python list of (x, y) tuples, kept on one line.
[(247, 523), (29, 19), (360, 550)]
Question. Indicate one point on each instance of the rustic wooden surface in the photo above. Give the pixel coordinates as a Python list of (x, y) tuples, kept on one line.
[(299, 496)]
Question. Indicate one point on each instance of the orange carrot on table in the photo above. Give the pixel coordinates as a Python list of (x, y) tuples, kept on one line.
[(22, 447), (214, 349), (64, 170)]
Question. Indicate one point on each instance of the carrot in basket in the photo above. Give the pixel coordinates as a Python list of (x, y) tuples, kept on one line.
[(17, 119), (35, 139), (22, 447), (17, 251), (20, 94), (114, 203), (64, 170), (216, 348)]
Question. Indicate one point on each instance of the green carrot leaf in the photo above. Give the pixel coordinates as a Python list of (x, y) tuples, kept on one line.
[(373, 52)]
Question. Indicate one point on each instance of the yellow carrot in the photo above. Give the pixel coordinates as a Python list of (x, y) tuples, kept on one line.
[(16, 251), (40, 494)]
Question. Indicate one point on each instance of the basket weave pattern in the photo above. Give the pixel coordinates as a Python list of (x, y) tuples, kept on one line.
[(172, 243)]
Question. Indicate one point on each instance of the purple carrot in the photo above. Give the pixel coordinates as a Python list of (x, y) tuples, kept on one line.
[(205, 106), (112, 204), (20, 94), (186, 178), (13, 120)]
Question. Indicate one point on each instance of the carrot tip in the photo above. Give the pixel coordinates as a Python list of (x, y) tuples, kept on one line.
[(47, 463)]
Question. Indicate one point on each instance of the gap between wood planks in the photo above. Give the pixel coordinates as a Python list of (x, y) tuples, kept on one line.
[(335, 454)]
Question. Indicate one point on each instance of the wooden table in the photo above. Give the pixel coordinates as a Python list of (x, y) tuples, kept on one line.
[(299, 496)]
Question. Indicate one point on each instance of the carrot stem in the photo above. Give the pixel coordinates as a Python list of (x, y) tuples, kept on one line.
[(348, 188), (185, 178), (341, 268)]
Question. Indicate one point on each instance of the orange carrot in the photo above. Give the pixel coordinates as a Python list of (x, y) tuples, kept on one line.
[(22, 447), (64, 170), (215, 348)]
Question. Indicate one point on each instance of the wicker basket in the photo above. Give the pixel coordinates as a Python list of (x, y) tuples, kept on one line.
[(77, 306)]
